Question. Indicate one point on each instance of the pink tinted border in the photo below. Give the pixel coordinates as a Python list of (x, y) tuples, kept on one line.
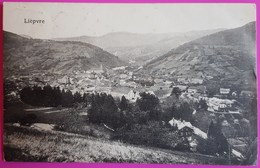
[(112, 165)]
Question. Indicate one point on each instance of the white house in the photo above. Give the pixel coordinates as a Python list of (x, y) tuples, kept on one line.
[(133, 95), (65, 80), (182, 80), (196, 81), (98, 70), (182, 87), (180, 124), (192, 90), (132, 84), (122, 82), (123, 76), (224, 91), (158, 80), (119, 68)]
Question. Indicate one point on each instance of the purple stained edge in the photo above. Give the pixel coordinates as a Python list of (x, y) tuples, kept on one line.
[(4, 164)]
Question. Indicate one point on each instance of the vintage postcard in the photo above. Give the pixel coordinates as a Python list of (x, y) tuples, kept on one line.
[(130, 83)]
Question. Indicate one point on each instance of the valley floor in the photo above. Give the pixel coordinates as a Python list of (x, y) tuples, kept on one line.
[(27, 144)]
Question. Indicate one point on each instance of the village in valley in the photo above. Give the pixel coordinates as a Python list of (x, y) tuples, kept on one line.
[(128, 81)]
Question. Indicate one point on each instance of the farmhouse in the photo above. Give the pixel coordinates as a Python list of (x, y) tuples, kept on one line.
[(196, 81), (224, 91), (133, 95), (246, 93), (185, 132), (182, 87), (192, 89)]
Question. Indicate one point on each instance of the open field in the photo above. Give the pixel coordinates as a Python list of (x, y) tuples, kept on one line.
[(56, 146), (70, 120)]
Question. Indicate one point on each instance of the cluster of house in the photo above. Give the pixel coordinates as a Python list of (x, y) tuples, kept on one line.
[(185, 130), (95, 80), (183, 80), (118, 82), (220, 105), (223, 101)]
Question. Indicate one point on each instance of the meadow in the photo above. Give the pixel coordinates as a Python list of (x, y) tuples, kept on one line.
[(56, 146)]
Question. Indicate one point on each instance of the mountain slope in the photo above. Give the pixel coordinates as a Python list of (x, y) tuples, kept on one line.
[(223, 54), (141, 47), (34, 55)]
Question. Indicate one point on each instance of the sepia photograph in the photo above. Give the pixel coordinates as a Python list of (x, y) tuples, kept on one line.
[(154, 83)]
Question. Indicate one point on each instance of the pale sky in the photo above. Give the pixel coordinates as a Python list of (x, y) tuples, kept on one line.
[(68, 19)]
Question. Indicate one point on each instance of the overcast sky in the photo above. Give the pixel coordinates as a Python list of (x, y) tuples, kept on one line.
[(67, 20)]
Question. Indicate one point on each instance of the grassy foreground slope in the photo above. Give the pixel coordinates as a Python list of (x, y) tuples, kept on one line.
[(26, 144)]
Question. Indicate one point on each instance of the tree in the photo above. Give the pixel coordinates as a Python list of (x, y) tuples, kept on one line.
[(176, 91), (85, 99), (26, 95), (150, 103), (109, 111), (185, 112), (212, 87), (57, 96), (214, 130), (203, 104), (77, 98), (94, 113), (222, 144), (217, 139), (170, 113), (123, 104), (37, 96), (103, 109), (67, 98), (47, 96), (253, 119), (109, 104)]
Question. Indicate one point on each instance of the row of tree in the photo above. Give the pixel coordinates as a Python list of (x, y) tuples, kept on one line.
[(50, 96), (104, 109)]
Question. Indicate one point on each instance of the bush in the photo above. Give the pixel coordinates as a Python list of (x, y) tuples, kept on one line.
[(207, 147), (150, 134), (183, 146), (28, 119)]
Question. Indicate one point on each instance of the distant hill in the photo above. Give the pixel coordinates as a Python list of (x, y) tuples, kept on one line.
[(23, 55), (140, 47), (226, 54)]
